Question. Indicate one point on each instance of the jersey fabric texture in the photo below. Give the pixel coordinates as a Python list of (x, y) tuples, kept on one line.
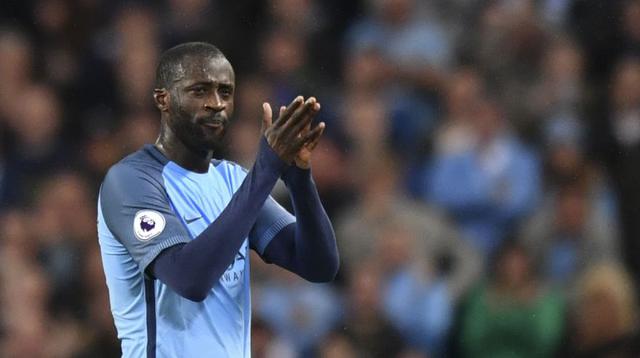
[(147, 204)]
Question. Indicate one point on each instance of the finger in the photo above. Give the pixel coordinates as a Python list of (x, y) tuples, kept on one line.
[(304, 125), (315, 109), (313, 142), (266, 117), (282, 108), (284, 116), (312, 138), (306, 129), (299, 118)]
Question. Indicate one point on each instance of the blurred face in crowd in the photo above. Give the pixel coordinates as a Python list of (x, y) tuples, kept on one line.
[(563, 62), (566, 161), (364, 291), (15, 58), (488, 121), (571, 211), (598, 318), (394, 247), (626, 85), (632, 20), (200, 102), (337, 346), (605, 306), (282, 54), (365, 70), (514, 268), (396, 12), (463, 94), (39, 117)]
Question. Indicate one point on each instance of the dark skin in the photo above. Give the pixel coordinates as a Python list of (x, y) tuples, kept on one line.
[(195, 113)]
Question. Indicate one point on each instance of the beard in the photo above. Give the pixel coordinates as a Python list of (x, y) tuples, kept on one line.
[(190, 130)]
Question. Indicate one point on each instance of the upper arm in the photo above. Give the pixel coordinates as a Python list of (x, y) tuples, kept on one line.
[(138, 213)]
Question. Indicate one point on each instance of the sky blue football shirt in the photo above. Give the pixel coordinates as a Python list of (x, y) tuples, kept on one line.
[(147, 204)]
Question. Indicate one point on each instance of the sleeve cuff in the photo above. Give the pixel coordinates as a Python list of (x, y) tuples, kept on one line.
[(272, 232), (156, 250), (294, 175)]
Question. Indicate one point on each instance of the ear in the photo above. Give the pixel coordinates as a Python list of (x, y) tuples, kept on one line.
[(161, 99)]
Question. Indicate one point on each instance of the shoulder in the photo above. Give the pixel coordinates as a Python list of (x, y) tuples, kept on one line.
[(142, 166)]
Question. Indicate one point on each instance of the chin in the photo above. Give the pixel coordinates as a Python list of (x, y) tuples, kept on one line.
[(217, 145)]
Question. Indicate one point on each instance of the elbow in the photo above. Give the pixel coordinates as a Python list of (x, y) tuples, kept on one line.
[(195, 293), (327, 274), (324, 278), (195, 297)]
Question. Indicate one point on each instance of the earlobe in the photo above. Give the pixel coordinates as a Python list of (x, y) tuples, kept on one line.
[(160, 97)]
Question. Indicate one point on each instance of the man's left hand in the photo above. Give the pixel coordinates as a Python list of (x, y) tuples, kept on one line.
[(303, 159)]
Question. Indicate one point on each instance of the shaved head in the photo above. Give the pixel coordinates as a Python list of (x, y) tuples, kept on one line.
[(172, 62)]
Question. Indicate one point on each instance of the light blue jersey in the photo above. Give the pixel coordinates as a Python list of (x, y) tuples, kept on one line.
[(148, 204)]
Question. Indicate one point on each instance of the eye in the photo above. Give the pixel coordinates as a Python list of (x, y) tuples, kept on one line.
[(225, 91), (198, 91)]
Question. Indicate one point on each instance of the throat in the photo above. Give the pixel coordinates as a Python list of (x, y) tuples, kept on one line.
[(193, 160)]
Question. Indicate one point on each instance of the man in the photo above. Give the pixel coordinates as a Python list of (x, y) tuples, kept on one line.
[(175, 226)]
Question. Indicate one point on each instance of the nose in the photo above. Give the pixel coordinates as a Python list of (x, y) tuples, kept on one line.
[(214, 103)]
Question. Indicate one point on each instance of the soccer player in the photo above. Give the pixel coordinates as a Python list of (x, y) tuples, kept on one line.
[(175, 226)]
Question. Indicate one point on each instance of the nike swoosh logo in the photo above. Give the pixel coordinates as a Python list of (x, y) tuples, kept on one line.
[(189, 221)]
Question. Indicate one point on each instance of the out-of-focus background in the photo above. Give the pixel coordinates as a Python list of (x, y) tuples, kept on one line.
[(481, 168)]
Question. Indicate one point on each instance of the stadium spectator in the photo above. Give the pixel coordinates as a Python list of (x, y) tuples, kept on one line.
[(416, 295), (265, 343), (24, 292), (16, 68), (337, 345), (616, 139), (604, 315), (365, 326), (64, 229), (488, 185), (298, 312), (435, 243), (513, 313), (559, 92), (37, 147), (413, 43), (571, 232)]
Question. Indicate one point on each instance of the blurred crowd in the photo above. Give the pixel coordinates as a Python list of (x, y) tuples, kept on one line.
[(481, 166)]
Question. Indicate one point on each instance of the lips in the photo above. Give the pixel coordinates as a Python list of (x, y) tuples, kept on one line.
[(217, 124), (214, 123)]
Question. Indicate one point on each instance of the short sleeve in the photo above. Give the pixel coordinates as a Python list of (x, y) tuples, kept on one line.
[(138, 213), (271, 219)]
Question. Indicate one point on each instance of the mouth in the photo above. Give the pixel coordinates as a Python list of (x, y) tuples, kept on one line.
[(215, 123)]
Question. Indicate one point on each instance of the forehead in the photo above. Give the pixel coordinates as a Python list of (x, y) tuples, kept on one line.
[(204, 69)]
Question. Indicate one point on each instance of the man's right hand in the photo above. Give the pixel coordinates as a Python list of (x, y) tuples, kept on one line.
[(289, 133)]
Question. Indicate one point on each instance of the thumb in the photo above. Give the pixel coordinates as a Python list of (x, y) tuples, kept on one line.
[(266, 117)]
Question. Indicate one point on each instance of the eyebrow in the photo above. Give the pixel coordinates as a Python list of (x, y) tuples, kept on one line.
[(211, 83)]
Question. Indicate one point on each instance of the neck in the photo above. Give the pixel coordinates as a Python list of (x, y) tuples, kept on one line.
[(175, 150)]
